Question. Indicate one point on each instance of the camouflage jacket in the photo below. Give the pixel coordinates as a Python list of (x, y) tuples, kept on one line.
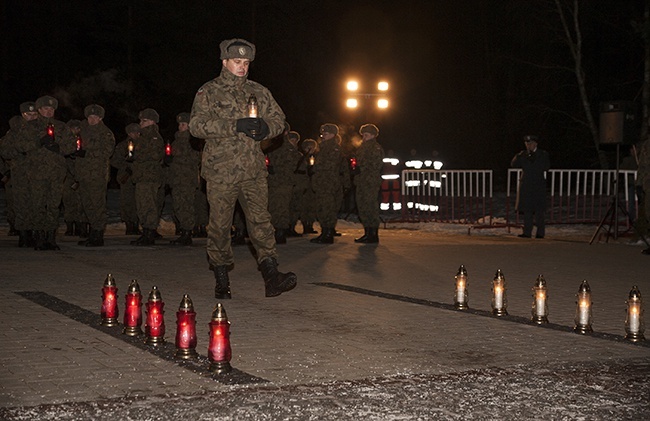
[(228, 156), (283, 161), (45, 163), (184, 167), (148, 153), (98, 142), (370, 162), (331, 169)]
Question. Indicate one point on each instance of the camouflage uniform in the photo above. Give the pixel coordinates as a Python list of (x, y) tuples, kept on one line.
[(183, 178), (148, 153), (331, 175), (367, 180), (92, 169), (72, 211), (9, 169), (128, 212), (233, 164), (283, 161)]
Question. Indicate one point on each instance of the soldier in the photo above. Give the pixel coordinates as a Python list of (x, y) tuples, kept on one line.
[(532, 194), (367, 179), (330, 177), (233, 164), (184, 179), (18, 168), (46, 141), (283, 160), (305, 197), (148, 153), (75, 222), (122, 160), (92, 169)]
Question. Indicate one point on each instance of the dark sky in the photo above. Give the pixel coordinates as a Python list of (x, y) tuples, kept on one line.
[(468, 78)]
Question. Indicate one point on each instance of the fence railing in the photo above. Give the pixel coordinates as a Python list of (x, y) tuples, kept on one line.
[(459, 196)]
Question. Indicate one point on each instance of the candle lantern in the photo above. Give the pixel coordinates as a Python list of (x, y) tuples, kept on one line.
[(251, 107), (133, 310), (154, 327), (461, 297), (312, 160), (219, 351), (79, 142), (168, 149), (50, 130), (634, 325), (540, 306), (130, 148), (583, 309), (185, 329), (499, 299), (109, 310)]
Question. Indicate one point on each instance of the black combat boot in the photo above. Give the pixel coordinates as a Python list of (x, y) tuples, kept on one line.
[(25, 238), (364, 237), (77, 228), (84, 229), (326, 237), (291, 232), (50, 240), (184, 240), (69, 229), (222, 286), (280, 236), (373, 236), (146, 239), (39, 240), (276, 282), (308, 228), (95, 239)]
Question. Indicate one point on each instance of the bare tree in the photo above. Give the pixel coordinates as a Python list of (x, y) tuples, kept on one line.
[(573, 39)]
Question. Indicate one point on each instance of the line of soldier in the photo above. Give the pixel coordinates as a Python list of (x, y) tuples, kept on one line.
[(48, 163)]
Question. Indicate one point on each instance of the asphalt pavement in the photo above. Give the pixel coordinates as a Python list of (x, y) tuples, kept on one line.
[(370, 332)]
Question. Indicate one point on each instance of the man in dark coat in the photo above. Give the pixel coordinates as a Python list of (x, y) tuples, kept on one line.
[(532, 189)]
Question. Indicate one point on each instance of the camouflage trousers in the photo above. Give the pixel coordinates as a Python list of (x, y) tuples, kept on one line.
[(71, 201), (253, 196), (92, 192), (128, 211), (280, 205), (329, 202), (46, 199), (146, 203), (368, 205), (183, 202), (21, 200)]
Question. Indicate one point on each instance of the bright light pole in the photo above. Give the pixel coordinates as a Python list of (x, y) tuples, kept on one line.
[(356, 99)]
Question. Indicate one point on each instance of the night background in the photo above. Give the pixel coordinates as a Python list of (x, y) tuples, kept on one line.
[(468, 78)]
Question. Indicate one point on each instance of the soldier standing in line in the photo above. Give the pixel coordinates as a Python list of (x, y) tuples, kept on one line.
[(46, 141), (283, 160), (122, 160), (367, 179), (184, 179), (18, 166), (330, 172), (148, 153), (306, 200), (75, 222), (233, 164), (92, 169)]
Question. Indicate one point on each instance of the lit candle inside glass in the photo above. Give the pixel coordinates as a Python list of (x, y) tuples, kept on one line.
[(583, 314), (498, 297), (540, 303), (460, 291), (634, 318), (311, 160)]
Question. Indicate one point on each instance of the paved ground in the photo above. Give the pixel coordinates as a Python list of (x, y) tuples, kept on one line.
[(367, 334)]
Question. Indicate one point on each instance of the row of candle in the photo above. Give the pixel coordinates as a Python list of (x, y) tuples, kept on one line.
[(634, 324), (219, 350)]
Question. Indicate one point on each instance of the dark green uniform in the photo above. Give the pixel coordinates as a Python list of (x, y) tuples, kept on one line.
[(148, 153), (283, 161), (183, 178), (367, 180)]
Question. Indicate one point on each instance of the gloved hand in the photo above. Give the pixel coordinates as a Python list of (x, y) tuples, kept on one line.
[(52, 146), (263, 130), (46, 140), (310, 170), (167, 160), (81, 153), (248, 126)]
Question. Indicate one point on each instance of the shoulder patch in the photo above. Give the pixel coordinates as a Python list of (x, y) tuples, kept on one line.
[(200, 91)]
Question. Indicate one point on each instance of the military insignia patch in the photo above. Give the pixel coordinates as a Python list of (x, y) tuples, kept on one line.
[(200, 91), (242, 51)]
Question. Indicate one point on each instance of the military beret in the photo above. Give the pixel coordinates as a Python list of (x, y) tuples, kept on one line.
[(330, 128), (149, 114), (132, 128), (531, 138), (293, 135), (94, 109), (237, 48), (47, 101), (27, 107), (73, 123), (369, 128), (183, 118)]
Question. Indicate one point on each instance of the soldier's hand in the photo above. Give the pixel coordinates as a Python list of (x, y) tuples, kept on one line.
[(46, 140), (81, 153), (248, 126), (263, 131), (167, 160), (52, 146)]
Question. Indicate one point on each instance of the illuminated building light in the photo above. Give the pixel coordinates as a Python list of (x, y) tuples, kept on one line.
[(437, 165), (351, 103), (428, 163), (414, 164), (397, 206), (412, 183), (391, 161), (384, 206), (435, 184), (382, 86), (390, 176), (382, 103)]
